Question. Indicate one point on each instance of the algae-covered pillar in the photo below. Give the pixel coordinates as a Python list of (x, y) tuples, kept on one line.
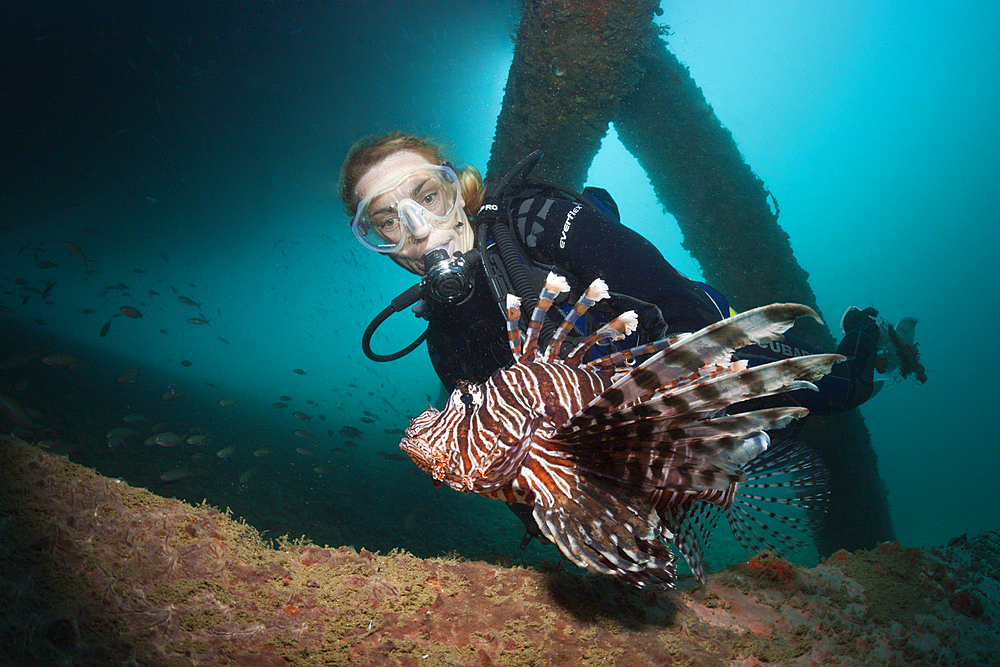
[(581, 66)]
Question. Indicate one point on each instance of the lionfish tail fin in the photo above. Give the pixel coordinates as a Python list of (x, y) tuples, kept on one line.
[(597, 291), (781, 504), (554, 286)]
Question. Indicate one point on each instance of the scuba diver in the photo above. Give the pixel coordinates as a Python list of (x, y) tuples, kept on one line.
[(473, 242)]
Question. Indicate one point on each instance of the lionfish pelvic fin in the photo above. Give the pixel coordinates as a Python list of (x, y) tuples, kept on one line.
[(603, 530)]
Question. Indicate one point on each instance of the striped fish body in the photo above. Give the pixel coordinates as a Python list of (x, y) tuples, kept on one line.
[(480, 440), (617, 461)]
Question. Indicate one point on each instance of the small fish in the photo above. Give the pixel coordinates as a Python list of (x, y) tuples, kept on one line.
[(188, 301), (46, 265), (263, 451), (303, 434), (153, 292), (168, 439), (395, 431), (224, 340), (127, 376), (226, 452), (105, 328), (285, 398), (17, 413), (373, 416), (75, 249), (121, 432), (280, 405), (299, 371), (61, 359), (163, 331), (367, 420), (129, 311), (393, 456), (185, 363), (138, 271), (227, 402), (351, 432), (305, 451), (173, 394), (319, 470), (40, 322), (245, 477), (350, 443), (197, 439), (48, 289), (164, 258), (175, 475), (88, 311), (191, 285), (133, 418), (301, 416), (197, 320)]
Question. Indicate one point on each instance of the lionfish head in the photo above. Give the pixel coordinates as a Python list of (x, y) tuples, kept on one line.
[(465, 445)]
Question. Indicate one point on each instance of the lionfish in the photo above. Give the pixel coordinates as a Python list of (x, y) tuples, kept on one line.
[(618, 459)]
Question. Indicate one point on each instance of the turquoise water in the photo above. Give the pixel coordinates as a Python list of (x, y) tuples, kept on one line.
[(195, 154)]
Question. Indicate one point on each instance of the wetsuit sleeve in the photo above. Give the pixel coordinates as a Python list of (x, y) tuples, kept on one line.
[(566, 234)]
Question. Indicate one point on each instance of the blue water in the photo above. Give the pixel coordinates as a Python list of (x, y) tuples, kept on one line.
[(195, 153)]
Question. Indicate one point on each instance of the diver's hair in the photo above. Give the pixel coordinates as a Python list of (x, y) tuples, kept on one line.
[(369, 151)]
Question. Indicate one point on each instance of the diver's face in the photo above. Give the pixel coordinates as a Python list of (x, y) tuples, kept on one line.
[(382, 177)]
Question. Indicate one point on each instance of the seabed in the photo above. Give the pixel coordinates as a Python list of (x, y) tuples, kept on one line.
[(96, 572)]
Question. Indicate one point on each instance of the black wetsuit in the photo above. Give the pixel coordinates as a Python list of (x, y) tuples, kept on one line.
[(469, 341)]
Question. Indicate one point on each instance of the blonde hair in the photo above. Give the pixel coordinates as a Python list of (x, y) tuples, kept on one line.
[(369, 151)]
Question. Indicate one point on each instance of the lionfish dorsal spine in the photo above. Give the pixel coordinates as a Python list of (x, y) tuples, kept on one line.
[(616, 329), (628, 356), (596, 291), (554, 286), (513, 322)]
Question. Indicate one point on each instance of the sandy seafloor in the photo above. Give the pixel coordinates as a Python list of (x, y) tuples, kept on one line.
[(96, 572)]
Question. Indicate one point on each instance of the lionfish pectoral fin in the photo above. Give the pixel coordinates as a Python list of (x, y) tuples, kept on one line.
[(710, 346), (702, 396)]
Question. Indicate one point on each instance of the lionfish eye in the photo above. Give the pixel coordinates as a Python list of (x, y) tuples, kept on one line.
[(467, 398)]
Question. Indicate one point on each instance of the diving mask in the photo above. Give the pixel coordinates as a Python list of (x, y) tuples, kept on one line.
[(415, 199)]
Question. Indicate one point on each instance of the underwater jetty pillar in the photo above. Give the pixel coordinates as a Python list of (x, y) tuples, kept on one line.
[(580, 66), (574, 62)]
